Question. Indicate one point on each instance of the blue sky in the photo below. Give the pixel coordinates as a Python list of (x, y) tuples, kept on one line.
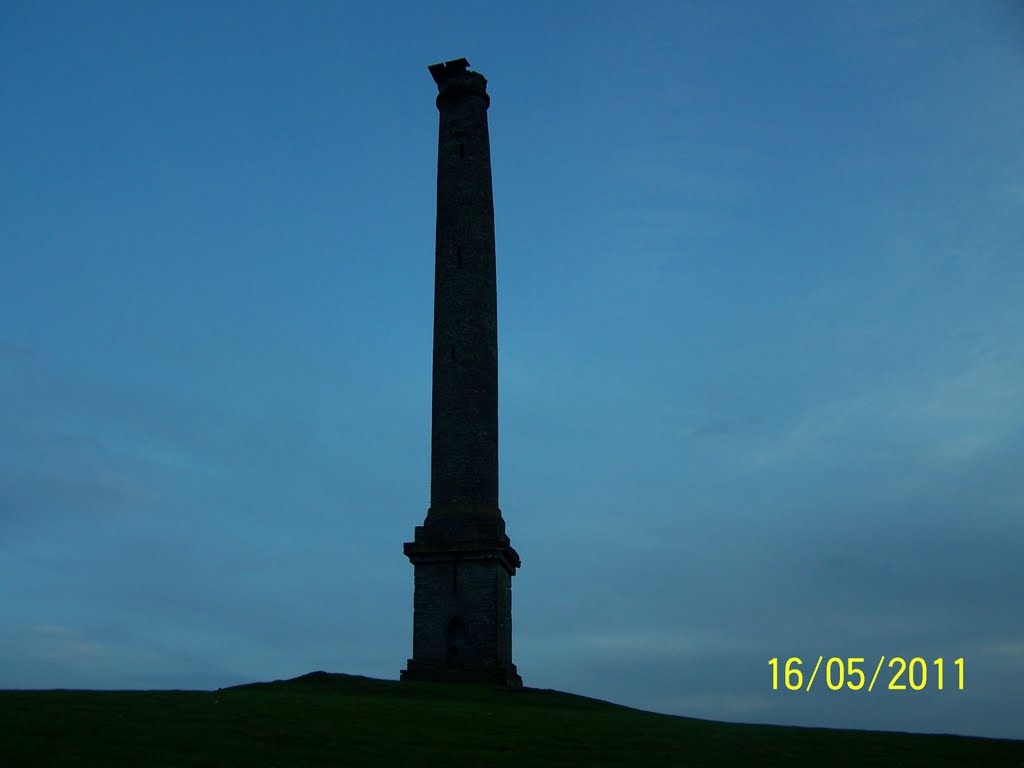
[(761, 310)]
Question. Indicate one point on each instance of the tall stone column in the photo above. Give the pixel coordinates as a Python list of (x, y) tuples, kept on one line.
[(463, 560)]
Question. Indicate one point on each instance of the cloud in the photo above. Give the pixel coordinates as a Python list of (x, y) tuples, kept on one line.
[(923, 421), (723, 706), (654, 642), (711, 429), (1012, 649), (58, 643), (30, 653)]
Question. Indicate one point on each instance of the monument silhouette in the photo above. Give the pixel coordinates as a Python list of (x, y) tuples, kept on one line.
[(462, 559)]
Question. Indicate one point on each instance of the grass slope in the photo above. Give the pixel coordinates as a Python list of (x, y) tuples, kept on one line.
[(324, 719)]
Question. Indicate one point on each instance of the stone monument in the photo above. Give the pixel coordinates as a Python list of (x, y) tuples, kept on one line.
[(462, 559)]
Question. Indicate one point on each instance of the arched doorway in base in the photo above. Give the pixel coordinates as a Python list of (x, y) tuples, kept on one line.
[(455, 643)]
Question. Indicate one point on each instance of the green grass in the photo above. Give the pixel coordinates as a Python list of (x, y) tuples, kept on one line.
[(341, 720)]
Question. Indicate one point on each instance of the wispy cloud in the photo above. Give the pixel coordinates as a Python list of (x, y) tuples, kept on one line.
[(923, 421), (54, 642), (656, 642), (714, 705)]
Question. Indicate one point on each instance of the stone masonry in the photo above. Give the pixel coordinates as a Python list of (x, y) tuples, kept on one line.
[(462, 559)]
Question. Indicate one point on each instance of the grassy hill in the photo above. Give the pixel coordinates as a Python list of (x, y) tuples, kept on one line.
[(325, 719)]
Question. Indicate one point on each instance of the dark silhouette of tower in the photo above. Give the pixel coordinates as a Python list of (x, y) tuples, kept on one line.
[(463, 561)]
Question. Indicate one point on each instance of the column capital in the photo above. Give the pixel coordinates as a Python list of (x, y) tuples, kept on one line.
[(454, 81)]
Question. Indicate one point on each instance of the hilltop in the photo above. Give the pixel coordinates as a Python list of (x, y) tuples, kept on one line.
[(324, 719)]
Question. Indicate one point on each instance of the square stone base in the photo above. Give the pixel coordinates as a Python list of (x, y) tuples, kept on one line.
[(430, 673), (462, 605)]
